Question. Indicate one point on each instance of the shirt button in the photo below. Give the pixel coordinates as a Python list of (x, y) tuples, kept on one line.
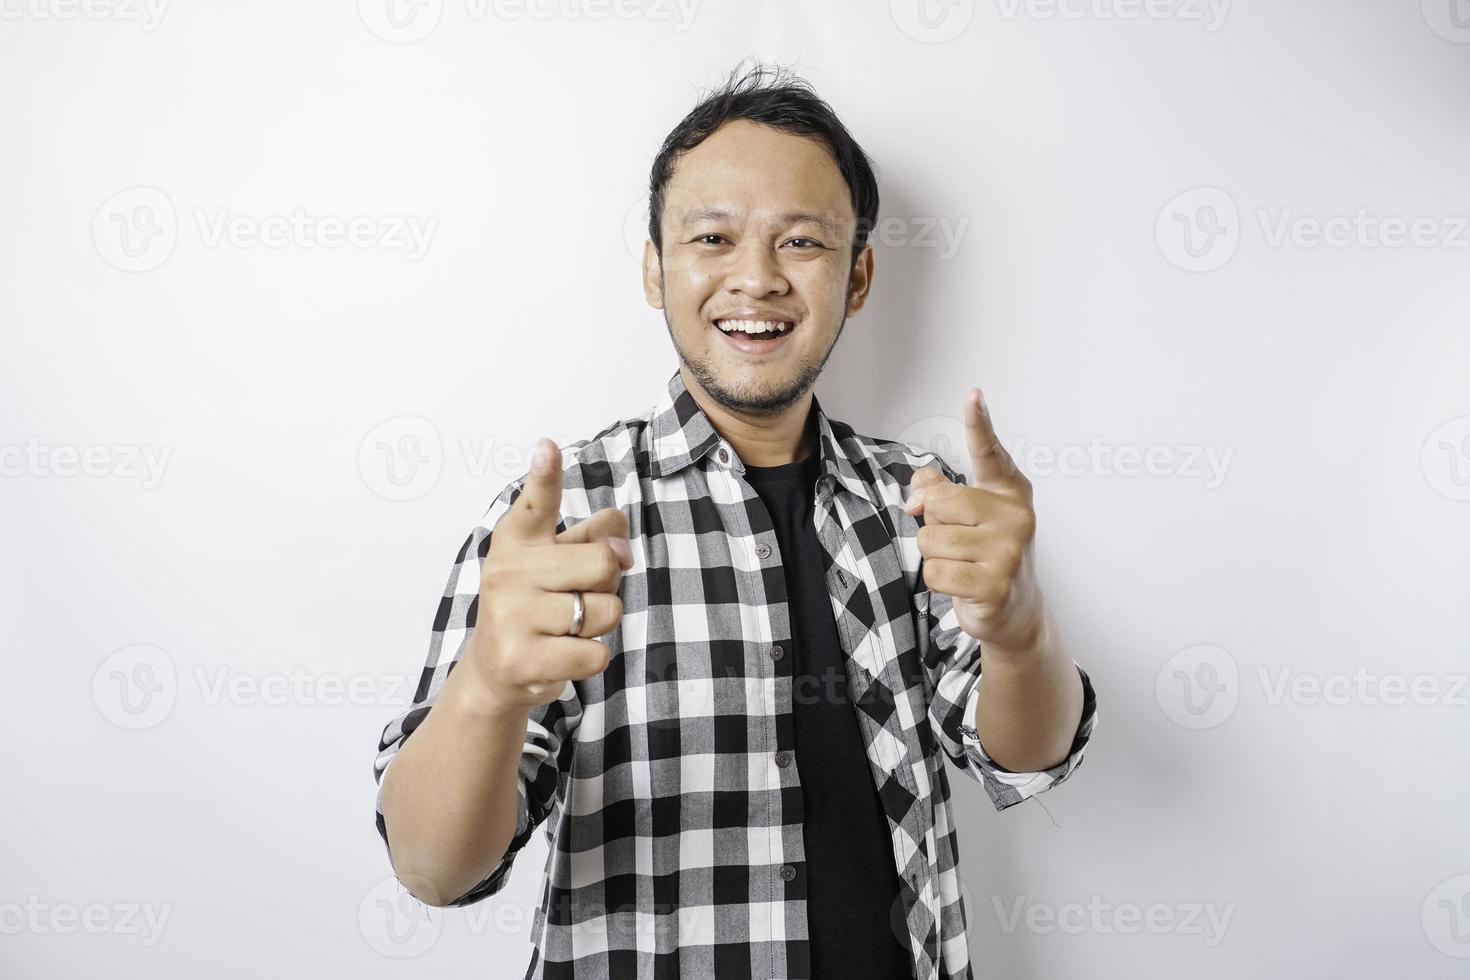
[(724, 456), (787, 872), (776, 653), (763, 551), (783, 759)]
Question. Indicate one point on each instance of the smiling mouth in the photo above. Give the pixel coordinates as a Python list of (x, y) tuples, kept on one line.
[(755, 329), (756, 337)]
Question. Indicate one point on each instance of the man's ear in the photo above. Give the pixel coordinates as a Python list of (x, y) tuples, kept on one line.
[(860, 280), (653, 276)]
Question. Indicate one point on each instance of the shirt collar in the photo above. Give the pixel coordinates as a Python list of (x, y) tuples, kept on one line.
[(683, 434)]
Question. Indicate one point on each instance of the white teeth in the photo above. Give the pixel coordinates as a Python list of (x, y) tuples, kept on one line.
[(753, 326)]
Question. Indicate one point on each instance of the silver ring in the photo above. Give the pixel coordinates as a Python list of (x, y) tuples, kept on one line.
[(579, 609)]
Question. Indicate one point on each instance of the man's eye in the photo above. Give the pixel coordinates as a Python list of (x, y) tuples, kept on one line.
[(812, 242), (704, 238)]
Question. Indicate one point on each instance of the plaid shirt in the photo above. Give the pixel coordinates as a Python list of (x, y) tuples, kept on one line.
[(673, 817)]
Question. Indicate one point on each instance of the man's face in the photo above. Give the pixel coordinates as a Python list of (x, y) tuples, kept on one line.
[(756, 222)]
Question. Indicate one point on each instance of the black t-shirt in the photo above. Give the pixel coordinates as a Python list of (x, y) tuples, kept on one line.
[(852, 885)]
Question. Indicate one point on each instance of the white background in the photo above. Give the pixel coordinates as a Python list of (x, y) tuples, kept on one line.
[(201, 654)]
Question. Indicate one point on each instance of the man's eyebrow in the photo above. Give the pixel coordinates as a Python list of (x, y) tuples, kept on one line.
[(789, 218)]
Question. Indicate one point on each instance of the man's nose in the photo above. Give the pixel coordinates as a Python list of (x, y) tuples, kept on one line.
[(756, 271)]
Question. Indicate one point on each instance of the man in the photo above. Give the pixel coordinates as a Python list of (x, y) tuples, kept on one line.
[(718, 648)]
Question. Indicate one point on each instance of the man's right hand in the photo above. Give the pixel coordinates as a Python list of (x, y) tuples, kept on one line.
[(520, 654)]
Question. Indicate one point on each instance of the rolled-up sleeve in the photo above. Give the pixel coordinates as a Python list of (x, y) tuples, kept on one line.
[(549, 727), (952, 660)]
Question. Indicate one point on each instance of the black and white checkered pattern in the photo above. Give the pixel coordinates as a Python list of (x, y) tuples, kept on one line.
[(676, 839)]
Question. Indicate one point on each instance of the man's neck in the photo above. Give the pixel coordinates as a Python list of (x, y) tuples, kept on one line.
[(762, 440)]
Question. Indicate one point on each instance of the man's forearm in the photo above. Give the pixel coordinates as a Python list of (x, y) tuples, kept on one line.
[(449, 795), (1030, 703)]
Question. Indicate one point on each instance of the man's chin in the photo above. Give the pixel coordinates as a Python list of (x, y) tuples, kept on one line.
[(769, 393)]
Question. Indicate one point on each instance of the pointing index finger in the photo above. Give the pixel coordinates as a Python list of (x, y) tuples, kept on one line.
[(991, 462), (537, 510)]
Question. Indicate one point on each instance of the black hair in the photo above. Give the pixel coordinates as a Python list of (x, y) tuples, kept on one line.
[(772, 96)]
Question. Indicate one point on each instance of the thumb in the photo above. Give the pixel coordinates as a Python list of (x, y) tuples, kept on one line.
[(537, 509), (926, 482)]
